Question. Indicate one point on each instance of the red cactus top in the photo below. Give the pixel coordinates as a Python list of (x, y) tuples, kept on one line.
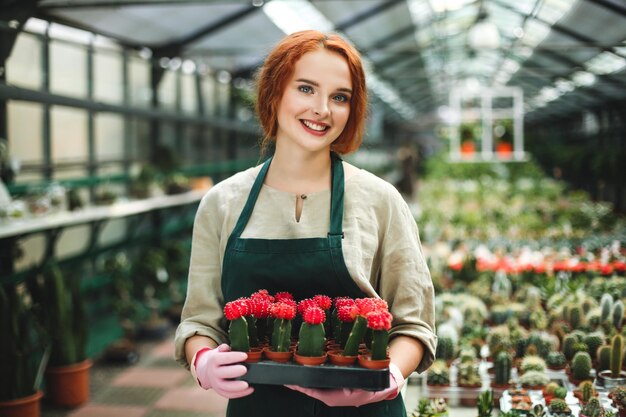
[(379, 320), (281, 310), (347, 313), (343, 301), (306, 304), (280, 296), (314, 315), (263, 294), (236, 309), (260, 307), (323, 301)]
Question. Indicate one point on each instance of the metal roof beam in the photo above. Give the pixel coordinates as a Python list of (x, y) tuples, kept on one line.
[(617, 9), (371, 12), (77, 4), (392, 37), (174, 48)]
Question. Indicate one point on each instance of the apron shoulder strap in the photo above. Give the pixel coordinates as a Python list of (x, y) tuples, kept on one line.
[(250, 202)]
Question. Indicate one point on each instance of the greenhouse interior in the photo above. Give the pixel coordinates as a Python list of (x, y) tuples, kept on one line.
[(497, 128)]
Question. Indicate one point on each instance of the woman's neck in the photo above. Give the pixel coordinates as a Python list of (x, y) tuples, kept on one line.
[(299, 172)]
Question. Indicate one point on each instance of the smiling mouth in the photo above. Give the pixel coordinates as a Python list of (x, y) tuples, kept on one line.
[(315, 127)]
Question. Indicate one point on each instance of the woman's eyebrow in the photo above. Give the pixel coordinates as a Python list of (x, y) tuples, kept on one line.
[(316, 84)]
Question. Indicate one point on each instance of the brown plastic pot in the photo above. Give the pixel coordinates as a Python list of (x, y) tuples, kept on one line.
[(68, 386), (254, 355), (309, 360), (336, 358), (277, 356), (366, 361), (22, 407)]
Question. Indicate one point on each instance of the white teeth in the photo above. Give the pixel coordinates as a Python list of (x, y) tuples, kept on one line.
[(319, 128)]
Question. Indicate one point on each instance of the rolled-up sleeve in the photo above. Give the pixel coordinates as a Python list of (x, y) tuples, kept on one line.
[(405, 281), (202, 312)]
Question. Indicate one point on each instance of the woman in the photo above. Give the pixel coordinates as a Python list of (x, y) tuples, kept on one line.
[(308, 223)]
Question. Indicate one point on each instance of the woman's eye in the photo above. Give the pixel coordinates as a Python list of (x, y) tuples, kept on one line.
[(305, 89), (340, 98)]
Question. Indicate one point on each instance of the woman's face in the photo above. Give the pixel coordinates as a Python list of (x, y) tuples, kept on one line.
[(315, 105)]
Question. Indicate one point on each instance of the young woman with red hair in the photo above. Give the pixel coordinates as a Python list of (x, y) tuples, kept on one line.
[(308, 223)]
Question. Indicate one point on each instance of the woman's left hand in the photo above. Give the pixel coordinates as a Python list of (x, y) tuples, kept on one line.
[(347, 397)]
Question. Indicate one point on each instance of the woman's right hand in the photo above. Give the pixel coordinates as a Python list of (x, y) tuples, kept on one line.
[(215, 368)]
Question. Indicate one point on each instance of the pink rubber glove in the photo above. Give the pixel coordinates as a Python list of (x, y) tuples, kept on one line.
[(213, 368), (356, 397)]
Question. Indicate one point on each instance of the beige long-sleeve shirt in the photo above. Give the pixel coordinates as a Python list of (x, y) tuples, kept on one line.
[(381, 249)]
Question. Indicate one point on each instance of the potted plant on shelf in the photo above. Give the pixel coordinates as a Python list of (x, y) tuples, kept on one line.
[(615, 376), (592, 409), (556, 361), (580, 368), (618, 396), (485, 404), (585, 392), (535, 380), (59, 306), (438, 374), (559, 408), (20, 365), (502, 373), (312, 337)]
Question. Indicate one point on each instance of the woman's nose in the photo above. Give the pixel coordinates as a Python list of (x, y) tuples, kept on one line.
[(321, 108)]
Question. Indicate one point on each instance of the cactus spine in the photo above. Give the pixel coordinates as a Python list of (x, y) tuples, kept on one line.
[(356, 335), (502, 367), (238, 334), (617, 354)]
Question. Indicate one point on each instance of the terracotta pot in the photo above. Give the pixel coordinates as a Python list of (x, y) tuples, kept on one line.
[(22, 407), (333, 346), (336, 358), (309, 360), (254, 355), (557, 368), (68, 386), (366, 361), (277, 356)]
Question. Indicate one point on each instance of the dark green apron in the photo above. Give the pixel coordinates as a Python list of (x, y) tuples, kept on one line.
[(304, 267)]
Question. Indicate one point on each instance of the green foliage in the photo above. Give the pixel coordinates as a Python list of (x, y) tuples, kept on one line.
[(618, 314), (59, 307), (593, 342), (20, 349), (560, 392), (485, 404), (581, 366), (559, 407), (568, 346)]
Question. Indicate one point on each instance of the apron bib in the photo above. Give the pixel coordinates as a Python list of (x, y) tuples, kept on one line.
[(303, 267)]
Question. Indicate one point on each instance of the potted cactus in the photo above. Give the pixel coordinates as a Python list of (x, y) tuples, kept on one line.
[(260, 303), (438, 374), (502, 370), (283, 313), (532, 363), (580, 368), (21, 356), (585, 391), (615, 376), (603, 358), (559, 408), (445, 349), (312, 337), (592, 409), (379, 321), (236, 312), (59, 306), (485, 404), (556, 361)]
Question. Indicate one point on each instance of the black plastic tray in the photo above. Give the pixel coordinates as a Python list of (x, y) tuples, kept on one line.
[(321, 376)]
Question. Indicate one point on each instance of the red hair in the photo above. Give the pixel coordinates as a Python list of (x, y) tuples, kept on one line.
[(278, 69)]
